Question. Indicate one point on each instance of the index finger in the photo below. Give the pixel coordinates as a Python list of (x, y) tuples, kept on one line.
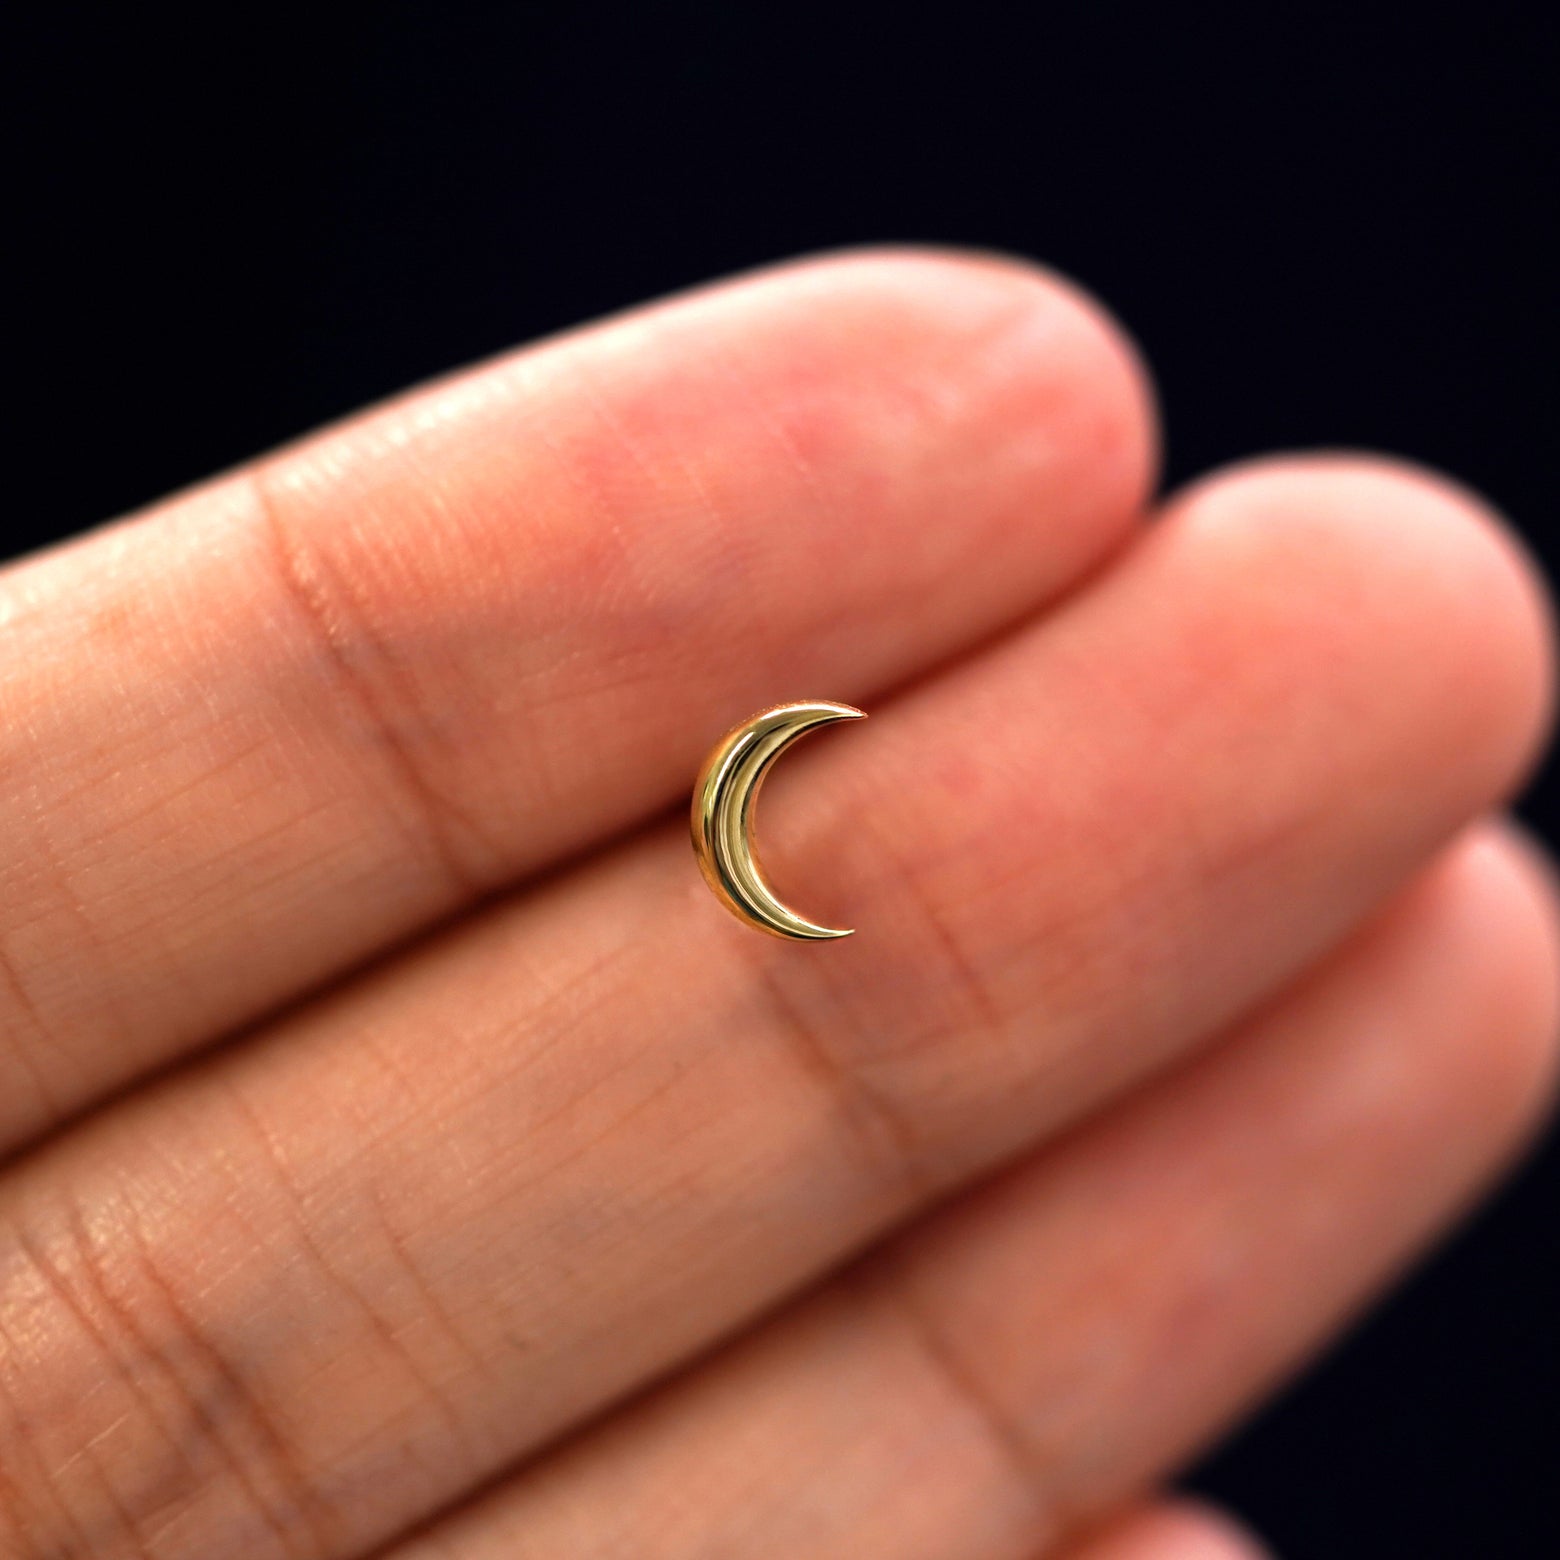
[(254, 737)]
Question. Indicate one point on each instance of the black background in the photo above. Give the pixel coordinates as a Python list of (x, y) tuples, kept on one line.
[(1324, 226)]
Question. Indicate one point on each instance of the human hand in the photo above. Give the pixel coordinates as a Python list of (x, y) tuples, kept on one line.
[(532, 1205)]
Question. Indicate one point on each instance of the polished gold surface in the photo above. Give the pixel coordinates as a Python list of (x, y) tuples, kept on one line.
[(724, 798)]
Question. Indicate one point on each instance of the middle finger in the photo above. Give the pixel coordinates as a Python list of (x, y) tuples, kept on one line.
[(323, 1284)]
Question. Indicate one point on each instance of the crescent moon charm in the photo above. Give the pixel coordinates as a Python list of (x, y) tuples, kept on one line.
[(724, 798)]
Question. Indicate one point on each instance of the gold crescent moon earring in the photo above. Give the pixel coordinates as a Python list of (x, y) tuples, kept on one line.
[(724, 798)]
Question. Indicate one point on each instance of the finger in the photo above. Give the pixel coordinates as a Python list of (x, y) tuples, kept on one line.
[(1056, 1341), (290, 718), (443, 1215), (1170, 1530)]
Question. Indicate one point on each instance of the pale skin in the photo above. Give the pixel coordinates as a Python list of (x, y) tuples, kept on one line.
[(407, 1156)]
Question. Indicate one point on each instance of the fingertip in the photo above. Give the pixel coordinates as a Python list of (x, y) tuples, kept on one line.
[(1192, 1529), (1180, 1528), (1415, 563), (1064, 351), (1499, 886)]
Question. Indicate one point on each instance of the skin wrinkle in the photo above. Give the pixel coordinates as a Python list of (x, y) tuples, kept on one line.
[(620, 435), (908, 874), (580, 1149), (377, 1126), (895, 877), (546, 1035), (886, 1145), (46, 1110), (177, 919), (893, 1283), (135, 1533), (295, 1517), (173, 922), (1058, 1418), (766, 417), (923, 393), (168, 1475), (559, 656), (432, 1306), (513, 1072), (65, 899), (549, 632), (303, 581), (723, 554), (282, 1177), (173, 926), (158, 803), (546, 689), (581, 1146), (785, 441), (18, 1497), (603, 552)]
